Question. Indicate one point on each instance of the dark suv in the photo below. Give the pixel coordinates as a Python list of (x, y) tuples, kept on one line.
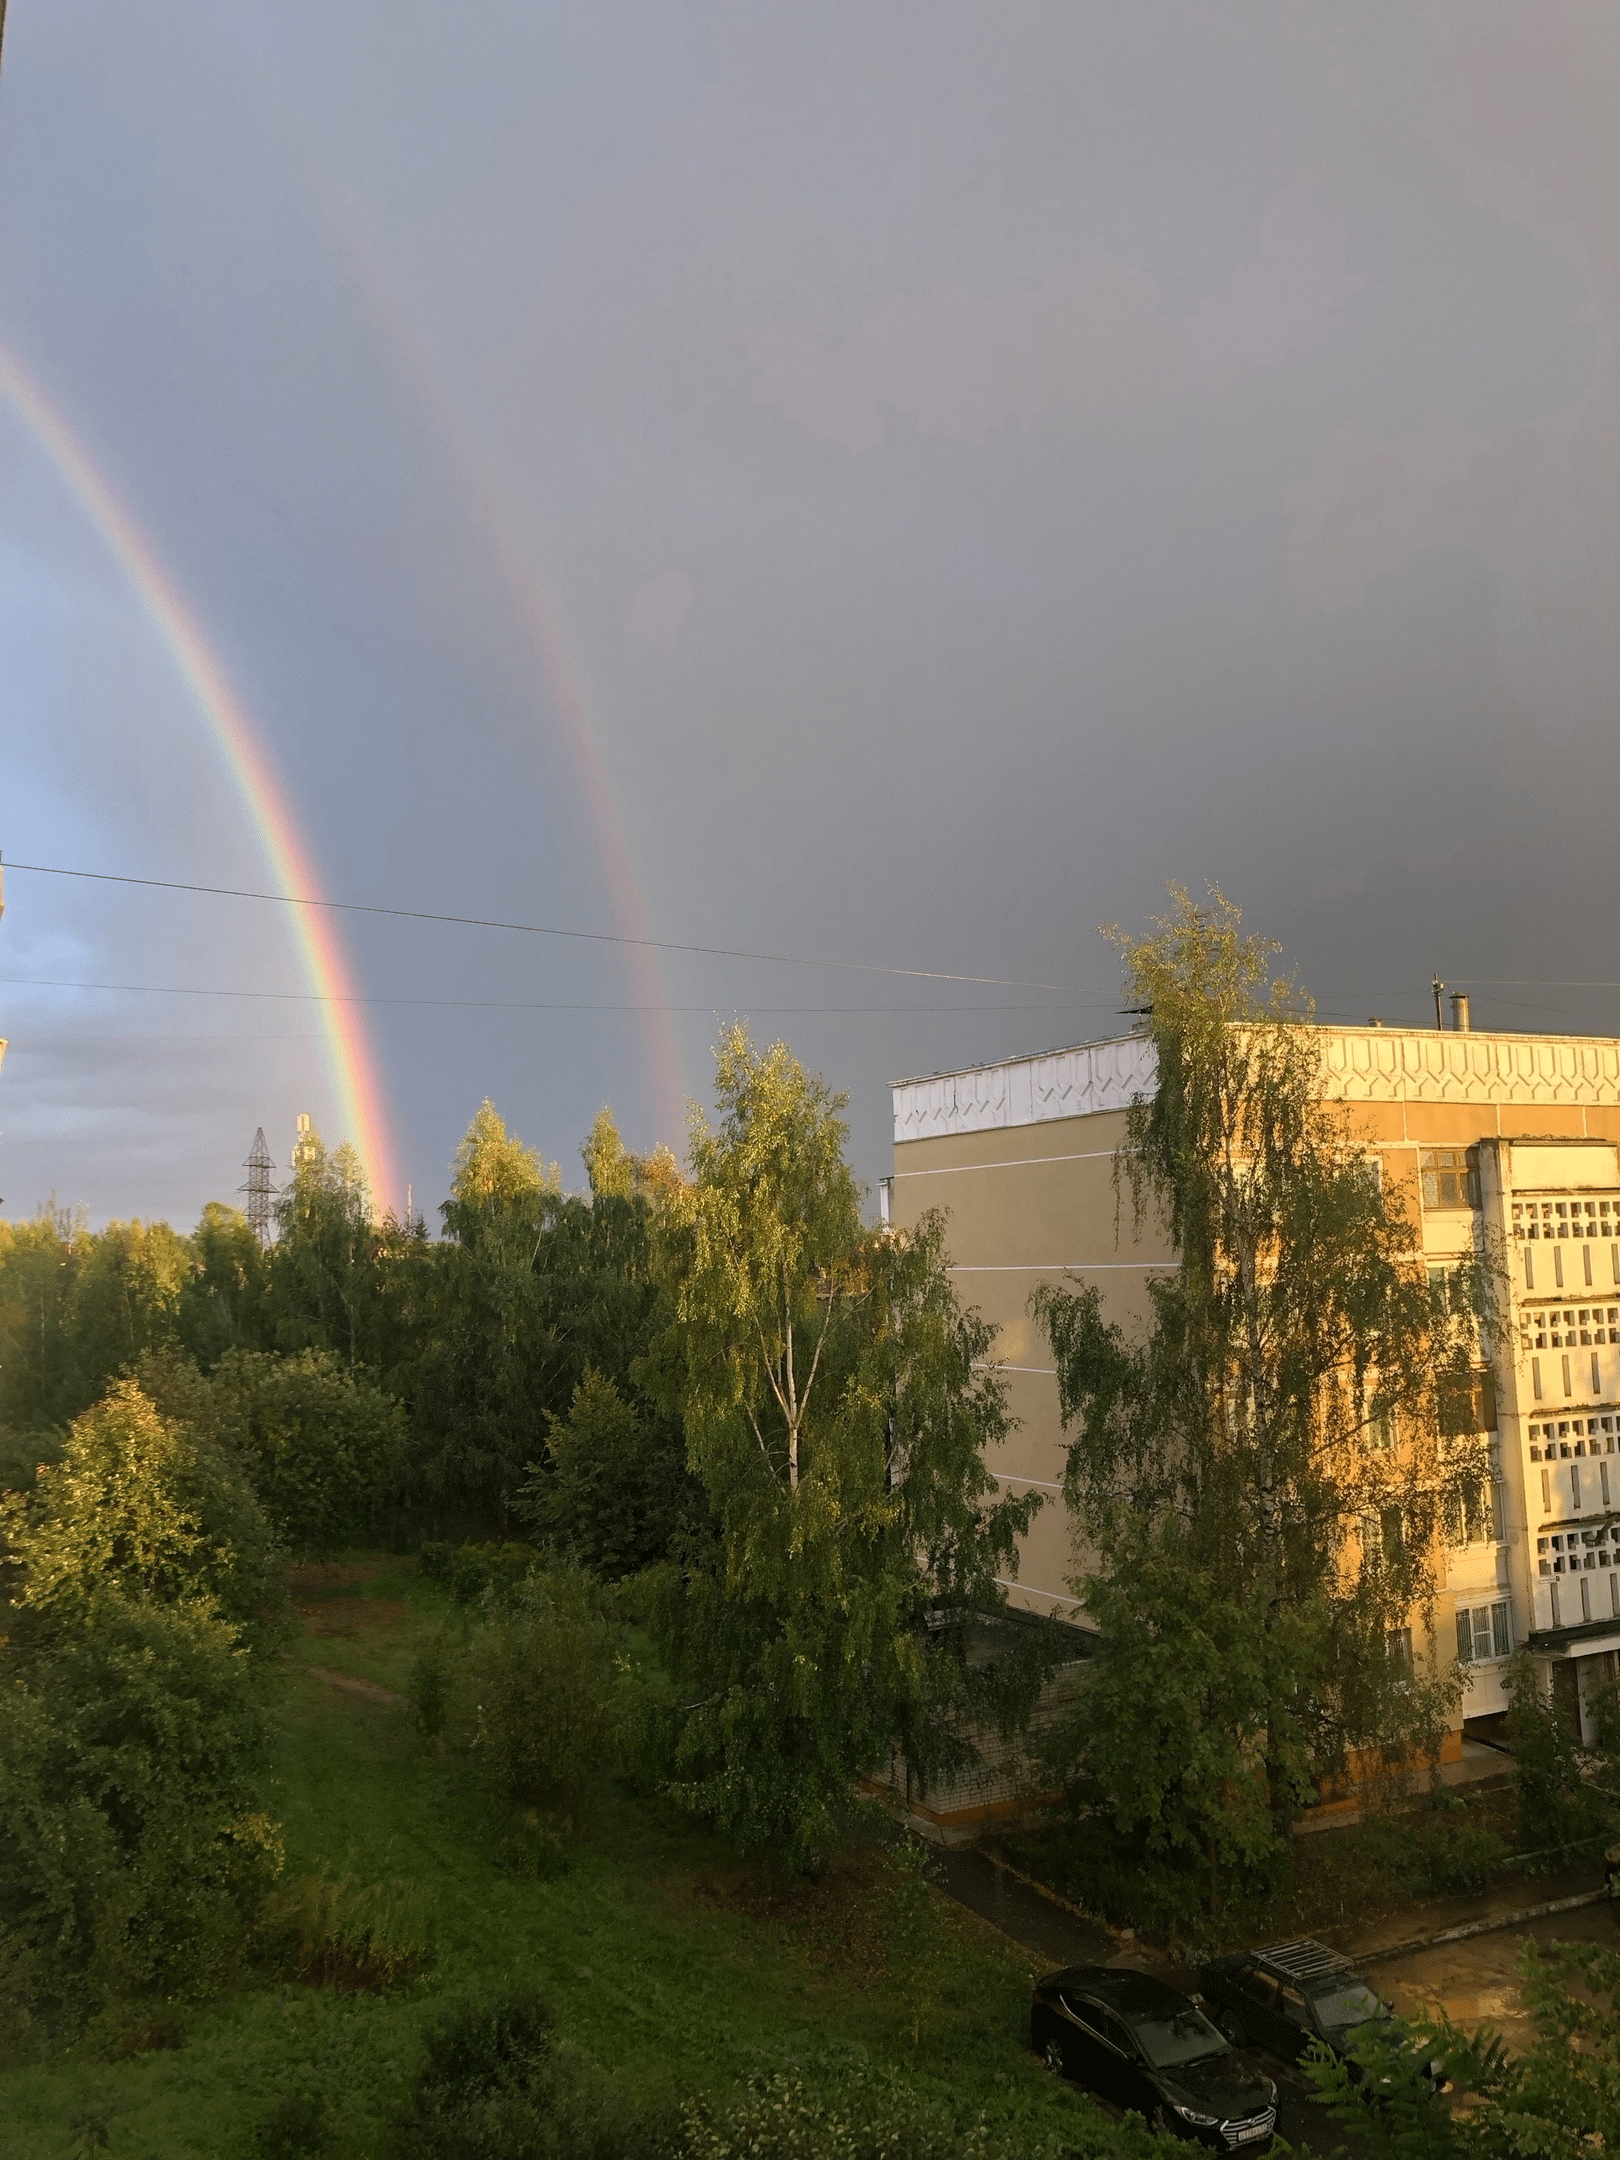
[(1136, 2042), (1289, 1994)]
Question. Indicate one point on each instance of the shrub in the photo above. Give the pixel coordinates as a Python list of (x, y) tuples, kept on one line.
[(298, 2127), (131, 1847), (470, 1571), (140, 1505), (542, 1672), (330, 1931), (497, 2084), (322, 1445), (131, 1725)]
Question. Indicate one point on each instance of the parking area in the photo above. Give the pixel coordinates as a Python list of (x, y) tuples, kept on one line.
[(1475, 1980)]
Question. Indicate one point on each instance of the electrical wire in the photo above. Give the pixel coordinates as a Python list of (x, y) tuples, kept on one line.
[(311, 997), (592, 937)]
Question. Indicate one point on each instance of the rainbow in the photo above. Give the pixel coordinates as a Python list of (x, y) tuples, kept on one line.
[(353, 1066), (499, 522)]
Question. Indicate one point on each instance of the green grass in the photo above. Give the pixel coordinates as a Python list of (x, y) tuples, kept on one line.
[(675, 1965)]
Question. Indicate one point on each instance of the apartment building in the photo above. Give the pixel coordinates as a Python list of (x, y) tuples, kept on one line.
[(1508, 1144)]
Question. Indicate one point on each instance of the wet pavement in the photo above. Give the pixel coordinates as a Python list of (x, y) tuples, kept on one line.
[(1476, 1979), (1060, 1936)]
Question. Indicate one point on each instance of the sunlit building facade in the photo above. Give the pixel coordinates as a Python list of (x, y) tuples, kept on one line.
[(1503, 1145)]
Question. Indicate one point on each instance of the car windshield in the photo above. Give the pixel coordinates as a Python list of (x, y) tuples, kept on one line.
[(1348, 2007), (1178, 2036)]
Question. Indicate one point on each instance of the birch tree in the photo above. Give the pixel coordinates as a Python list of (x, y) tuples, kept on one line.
[(837, 1403), (1264, 1474)]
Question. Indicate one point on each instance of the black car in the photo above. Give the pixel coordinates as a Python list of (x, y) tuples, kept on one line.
[(1291, 1993), (1132, 2040)]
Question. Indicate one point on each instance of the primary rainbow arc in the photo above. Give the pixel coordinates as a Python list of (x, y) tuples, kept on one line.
[(325, 965)]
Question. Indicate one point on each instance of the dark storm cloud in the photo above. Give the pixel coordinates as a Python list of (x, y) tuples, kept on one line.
[(969, 465)]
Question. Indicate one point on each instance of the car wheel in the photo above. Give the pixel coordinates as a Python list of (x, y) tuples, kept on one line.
[(1233, 2027), (1052, 2056)]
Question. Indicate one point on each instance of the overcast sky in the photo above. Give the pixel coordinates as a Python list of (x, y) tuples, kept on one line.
[(885, 484)]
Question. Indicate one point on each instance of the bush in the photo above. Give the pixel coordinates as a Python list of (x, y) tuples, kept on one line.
[(497, 2084), (298, 2127), (542, 1672), (323, 1446), (131, 1725), (470, 1571), (1564, 1790), (143, 1506), (131, 1847), (330, 1931)]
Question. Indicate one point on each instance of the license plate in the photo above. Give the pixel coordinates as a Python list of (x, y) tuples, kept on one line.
[(1255, 2130)]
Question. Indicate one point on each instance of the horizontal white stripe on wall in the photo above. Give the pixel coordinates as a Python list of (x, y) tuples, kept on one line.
[(1064, 1267), (1021, 1162), (1034, 1590)]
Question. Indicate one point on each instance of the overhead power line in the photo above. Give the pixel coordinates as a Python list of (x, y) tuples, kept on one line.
[(589, 937), (316, 997)]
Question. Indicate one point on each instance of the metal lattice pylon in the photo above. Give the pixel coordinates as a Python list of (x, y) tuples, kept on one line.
[(260, 1192)]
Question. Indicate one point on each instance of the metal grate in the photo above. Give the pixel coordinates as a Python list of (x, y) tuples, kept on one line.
[(1304, 1959)]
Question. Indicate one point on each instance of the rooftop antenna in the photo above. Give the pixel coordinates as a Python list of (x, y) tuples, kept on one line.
[(258, 1188), (1439, 993)]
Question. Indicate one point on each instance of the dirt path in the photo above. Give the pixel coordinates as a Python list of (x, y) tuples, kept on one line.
[(351, 1685)]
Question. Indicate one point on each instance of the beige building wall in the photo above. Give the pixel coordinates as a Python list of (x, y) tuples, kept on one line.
[(1506, 1144)]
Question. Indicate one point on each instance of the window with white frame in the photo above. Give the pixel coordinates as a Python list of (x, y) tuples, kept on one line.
[(1484, 1632)]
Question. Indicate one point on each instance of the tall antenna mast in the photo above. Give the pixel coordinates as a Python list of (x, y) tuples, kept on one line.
[(260, 1192)]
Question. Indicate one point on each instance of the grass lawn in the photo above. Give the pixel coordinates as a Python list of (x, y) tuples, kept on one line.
[(673, 1963)]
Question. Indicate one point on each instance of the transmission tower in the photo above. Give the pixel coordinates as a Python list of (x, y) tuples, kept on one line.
[(260, 1192)]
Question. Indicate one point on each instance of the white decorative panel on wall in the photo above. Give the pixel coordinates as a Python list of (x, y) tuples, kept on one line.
[(1026, 1091), (1421, 1065)]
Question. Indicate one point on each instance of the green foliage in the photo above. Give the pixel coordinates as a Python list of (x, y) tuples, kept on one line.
[(323, 1446), (142, 1507), (867, 2115), (471, 1571), (837, 1405), (541, 1676), (223, 1301), (77, 1308), (298, 2126), (1559, 2100), (131, 1724), (614, 1489), (1567, 1793), (531, 1290), (499, 2084), (132, 1847), (331, 1931), (1253, 1539)]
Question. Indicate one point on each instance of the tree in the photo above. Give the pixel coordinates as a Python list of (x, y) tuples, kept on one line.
[(836, 1404), (614, 1488), (222, 1301), (1559, 2099), (1264, 1475), (131, 1723), (323, 1447), (321, 1274)]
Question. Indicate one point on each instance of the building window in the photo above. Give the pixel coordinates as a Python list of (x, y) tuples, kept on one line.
[(1475, 1513), (1575, 1486), (1398, 1644), (1448, 1178), (1484, 1632)]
